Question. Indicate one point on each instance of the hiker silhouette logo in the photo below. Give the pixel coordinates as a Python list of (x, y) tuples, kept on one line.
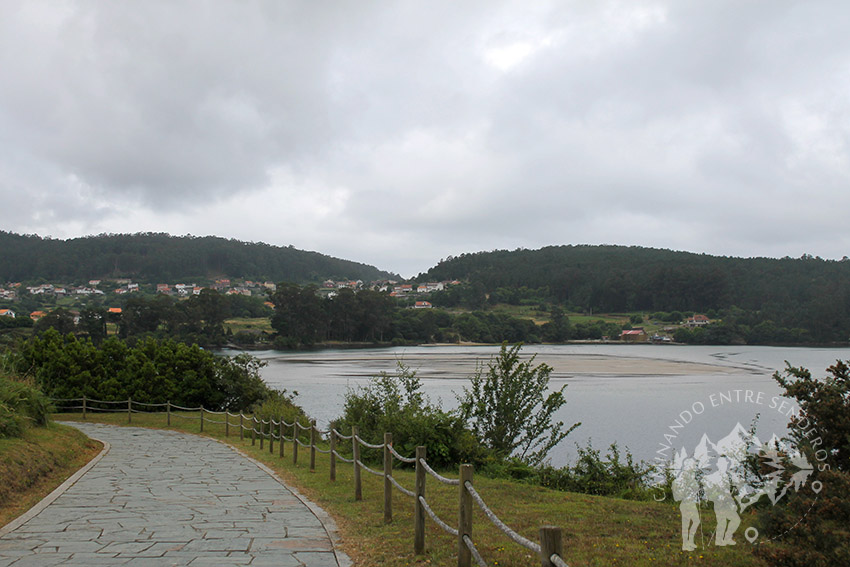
[(732, 474)]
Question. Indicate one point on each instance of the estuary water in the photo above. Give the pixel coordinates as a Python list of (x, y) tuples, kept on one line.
[(642, 397)]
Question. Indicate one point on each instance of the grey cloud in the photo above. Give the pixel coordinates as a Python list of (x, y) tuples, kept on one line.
[(710, 118)]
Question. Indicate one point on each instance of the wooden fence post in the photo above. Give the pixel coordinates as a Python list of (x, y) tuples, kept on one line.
[(84, 408), (333, 455), (262, 433), (241, 428), (168, 411), (388, 472), (271, 435), (280, 441), (312, 445), (464, 521), (226, 424), (550, 543), (418, 509), (253, 430), (295, 442), (355, 447), (202, 419), (130, 410)]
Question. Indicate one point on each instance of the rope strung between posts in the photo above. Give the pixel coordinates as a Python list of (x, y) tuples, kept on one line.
[(185, 409), (147, 405), (341, 436), (362, 442), (183, 416), (401, 458), (474, 551), (557, 561), (535, 547), (436, 518), (323, 451), (343, 459), (438, 476), (367, 469), (402, 489)]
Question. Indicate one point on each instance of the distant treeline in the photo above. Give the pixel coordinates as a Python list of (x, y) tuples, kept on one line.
[(198, 319), (303, 318), (153, 257), (804, 299)]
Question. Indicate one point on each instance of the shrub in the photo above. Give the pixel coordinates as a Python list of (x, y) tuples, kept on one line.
[(606, 476), (813, 529), (508, 408), (395, 404), (150, 371), (21, 404), (280, 405)]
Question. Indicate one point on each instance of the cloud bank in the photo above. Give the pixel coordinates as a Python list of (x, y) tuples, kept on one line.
[(400, 133)]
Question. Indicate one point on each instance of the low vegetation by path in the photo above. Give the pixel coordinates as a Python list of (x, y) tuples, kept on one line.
[(32, 465), (597, 530)]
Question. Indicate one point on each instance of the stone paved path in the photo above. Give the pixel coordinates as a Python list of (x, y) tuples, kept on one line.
[(167, 498)]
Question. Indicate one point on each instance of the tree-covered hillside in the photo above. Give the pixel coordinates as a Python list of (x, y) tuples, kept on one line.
[(161, 257), (808, 293)]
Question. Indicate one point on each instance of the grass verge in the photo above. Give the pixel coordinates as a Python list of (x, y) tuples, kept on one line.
[(597, 530), (35, 464)]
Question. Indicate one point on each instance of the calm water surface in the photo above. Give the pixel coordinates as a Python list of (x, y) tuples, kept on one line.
[(629, 394)]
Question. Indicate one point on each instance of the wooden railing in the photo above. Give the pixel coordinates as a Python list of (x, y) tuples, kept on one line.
[(548, 547)]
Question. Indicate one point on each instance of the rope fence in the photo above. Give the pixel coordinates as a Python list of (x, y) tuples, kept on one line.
[(550, 546)]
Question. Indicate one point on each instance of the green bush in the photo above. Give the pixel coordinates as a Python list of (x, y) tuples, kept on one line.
[(809, 528), (607, 476), (21, 405), (280, 405), (150, 371), (394, 404), (509, 409)]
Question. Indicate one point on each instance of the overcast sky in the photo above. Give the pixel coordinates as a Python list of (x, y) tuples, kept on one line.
[(399, 133)]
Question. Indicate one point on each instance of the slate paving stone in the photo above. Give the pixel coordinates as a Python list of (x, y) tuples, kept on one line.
[(167, 498)]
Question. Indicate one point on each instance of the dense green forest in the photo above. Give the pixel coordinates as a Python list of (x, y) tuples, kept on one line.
[(152, 257), (806, 299)]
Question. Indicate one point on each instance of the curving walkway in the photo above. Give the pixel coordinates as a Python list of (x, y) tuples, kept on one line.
[(168, 498)]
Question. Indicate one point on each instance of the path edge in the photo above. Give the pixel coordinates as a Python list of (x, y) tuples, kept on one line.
[(57, 492), (327, 521)]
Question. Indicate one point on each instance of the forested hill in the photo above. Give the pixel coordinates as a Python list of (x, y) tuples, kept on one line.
[(160, 257), (808, 292)]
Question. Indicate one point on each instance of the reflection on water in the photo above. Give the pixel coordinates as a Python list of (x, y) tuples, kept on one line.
[(633, 395)]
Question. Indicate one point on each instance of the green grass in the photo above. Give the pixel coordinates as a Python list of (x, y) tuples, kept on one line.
[(597, 530), (249, 324), (33, 465)]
